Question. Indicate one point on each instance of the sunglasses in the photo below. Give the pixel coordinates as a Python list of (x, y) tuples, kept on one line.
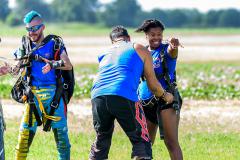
[(34, 28)]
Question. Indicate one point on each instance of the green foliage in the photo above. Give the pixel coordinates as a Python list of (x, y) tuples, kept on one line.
[(200, 81), (229, 18), (4, 9), (193, 18), (124, 12), (209, 81), (176, 17), (5, 86), (72, 10), (13, 19), (84, 79), (211, 18), (117, 13), (25, 6)]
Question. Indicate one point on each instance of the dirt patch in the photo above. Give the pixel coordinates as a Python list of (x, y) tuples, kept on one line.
[(191, 108), (196, 115), (196, 47)]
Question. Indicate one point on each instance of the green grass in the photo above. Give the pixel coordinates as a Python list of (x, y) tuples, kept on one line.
[(209, 80), (214, 146), (198, 80), (82, 29), (195, 145)]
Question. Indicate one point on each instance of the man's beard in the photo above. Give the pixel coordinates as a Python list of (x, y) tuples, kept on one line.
[(38, 38)]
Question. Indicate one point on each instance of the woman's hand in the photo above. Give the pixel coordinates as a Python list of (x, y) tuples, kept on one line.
[(168, 97), (173, 47), (174, 43)]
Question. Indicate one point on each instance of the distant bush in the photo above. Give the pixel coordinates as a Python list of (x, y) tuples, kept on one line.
[(13, 20)]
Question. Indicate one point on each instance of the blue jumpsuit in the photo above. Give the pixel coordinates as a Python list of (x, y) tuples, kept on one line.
[(44, 87)]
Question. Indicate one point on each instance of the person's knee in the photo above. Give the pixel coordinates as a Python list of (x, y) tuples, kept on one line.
[(104, 139), (24, 141), (171, 144)]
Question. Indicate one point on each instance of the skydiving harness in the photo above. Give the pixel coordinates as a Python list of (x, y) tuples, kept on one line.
[(22, 91), (171, 87)]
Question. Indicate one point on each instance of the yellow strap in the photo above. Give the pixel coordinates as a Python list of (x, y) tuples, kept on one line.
[(23, 73), (54, 118)]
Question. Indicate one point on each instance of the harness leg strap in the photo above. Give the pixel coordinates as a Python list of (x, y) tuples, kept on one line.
[(54, 104), (36, 114), (47, 125), (33, 109)]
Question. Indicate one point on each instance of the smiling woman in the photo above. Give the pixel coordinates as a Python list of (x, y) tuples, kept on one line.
[(159, 114)]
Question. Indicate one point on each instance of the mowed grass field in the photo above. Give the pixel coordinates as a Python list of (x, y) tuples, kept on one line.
[(82, 29), (196, 144)]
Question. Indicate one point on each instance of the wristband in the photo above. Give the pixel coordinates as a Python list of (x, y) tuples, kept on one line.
[(56, 64)]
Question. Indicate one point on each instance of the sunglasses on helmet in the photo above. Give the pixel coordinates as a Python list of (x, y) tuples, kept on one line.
[(34, 28)]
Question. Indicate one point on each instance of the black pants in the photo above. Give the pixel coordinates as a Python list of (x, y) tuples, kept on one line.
[(152, 112), (131, 118)]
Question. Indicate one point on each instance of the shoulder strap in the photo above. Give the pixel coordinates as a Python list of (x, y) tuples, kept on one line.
[(58, 43), (164, 66), (27, 45), (59, 85)]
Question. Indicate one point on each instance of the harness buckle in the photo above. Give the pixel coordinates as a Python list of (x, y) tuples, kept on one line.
[(65, 86), (57, 44), (54, 105), (31, 101)]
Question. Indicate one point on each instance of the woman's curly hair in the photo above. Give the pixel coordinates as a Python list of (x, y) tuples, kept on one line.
[(148, 24)]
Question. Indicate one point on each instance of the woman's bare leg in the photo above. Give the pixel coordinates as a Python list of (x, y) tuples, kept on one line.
[(170, 125)]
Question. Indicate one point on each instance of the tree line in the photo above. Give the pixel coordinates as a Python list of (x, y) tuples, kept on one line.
[(125, 12)]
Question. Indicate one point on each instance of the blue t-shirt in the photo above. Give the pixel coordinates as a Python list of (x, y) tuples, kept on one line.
[(143, 90), (37, 77), (120, 69)]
